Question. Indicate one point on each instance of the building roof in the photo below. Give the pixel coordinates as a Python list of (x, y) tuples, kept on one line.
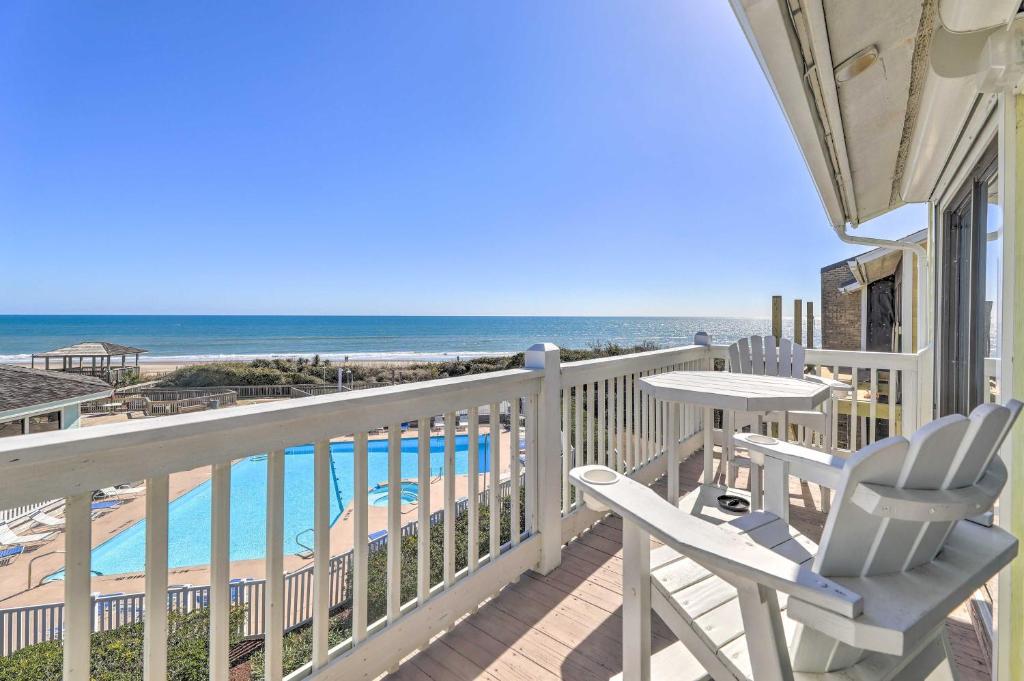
[(22, 388), (92, 349)]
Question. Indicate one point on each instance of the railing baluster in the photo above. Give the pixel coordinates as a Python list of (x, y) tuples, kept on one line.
[(578, 434), (629, 450), (78, 608), (360, 548), (273, 642), (394, 558), (220, 569), (423, 515), (449, 499), (591, 453), (873, 402), (494, 523), (154, 663), (620, 414), (854, 411), (673, 458), (602, 425), (321, 551), (514, 470), (473, 490), (566, 451)]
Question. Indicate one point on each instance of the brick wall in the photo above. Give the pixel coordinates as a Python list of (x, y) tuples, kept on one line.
[(840, 312)]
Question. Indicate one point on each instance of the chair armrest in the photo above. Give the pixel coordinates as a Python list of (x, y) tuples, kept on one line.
[(805, 463), (716, 548), (836, 386)]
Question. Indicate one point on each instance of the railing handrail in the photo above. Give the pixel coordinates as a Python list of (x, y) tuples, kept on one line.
[(584, 371), (69, 462)]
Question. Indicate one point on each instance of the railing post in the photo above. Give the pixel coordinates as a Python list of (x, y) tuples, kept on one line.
[(545, 357)]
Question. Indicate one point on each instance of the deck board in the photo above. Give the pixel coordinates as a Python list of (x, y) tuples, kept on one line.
[(568, 624)]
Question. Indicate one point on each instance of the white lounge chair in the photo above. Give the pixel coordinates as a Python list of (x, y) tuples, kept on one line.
[(113, 492), (11, 538), (44, 518), (896, 557)]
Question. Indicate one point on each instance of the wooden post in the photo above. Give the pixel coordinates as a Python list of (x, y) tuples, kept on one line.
[(777, 317), (545, 357), (810, 325), (798, 323)]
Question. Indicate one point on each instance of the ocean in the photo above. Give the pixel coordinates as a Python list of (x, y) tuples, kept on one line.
[(198, 338)]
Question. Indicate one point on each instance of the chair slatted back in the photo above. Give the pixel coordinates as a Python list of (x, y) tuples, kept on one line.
[(949, 453), (760, 355)]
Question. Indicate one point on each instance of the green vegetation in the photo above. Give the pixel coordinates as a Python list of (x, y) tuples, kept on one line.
[(117, 654), (317, 370), (298, 645)]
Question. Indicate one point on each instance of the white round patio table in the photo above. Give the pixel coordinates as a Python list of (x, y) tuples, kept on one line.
[(731, 392)]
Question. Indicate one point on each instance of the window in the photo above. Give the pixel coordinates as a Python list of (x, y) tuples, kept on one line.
[(963, 315), (44, 422), (10, 428)]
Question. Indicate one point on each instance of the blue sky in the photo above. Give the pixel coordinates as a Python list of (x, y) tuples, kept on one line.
[(412, 158)]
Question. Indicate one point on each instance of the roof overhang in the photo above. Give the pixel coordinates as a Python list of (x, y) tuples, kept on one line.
[(857, 85), (44, 408)]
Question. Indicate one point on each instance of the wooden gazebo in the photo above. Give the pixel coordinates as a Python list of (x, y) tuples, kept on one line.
[(94, 358)]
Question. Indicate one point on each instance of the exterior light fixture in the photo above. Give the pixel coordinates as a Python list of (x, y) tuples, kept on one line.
[(857, 64)]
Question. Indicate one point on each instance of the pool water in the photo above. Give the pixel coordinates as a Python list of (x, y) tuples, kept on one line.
[(410, 494), (189, 514)]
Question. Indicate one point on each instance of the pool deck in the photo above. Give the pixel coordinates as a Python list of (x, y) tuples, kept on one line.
[(47, 559)]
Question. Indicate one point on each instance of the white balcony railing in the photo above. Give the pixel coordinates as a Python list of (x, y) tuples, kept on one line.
[(565, 415)]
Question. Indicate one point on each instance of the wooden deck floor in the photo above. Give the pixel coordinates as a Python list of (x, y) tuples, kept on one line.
[(568, 624)]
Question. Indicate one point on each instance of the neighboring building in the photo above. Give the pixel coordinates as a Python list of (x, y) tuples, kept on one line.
[(862, 300), (35, 400)]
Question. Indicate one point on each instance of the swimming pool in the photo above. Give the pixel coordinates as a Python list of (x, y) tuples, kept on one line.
[(189, 514)]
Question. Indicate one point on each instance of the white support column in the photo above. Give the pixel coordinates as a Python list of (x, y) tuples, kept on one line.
[(78, 608), (154, 662), (71, 416), (545, 357), (220, 569), (1010, 602)]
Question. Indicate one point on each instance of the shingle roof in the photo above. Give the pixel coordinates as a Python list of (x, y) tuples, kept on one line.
[(21, 387), (92, 349)]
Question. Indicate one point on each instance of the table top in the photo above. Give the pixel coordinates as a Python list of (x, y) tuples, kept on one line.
[(741, 392)]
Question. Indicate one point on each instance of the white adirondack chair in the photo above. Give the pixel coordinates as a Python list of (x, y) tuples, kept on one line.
[(751, 598), (759, 355)]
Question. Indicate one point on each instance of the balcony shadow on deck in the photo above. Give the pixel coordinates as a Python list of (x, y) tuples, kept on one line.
[(568, 624)]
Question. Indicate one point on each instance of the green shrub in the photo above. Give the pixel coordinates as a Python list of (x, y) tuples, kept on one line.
[(116, 655), (302, 370)]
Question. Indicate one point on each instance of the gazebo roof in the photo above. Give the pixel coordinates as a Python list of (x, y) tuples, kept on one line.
[(22, 388), (92, 349)]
